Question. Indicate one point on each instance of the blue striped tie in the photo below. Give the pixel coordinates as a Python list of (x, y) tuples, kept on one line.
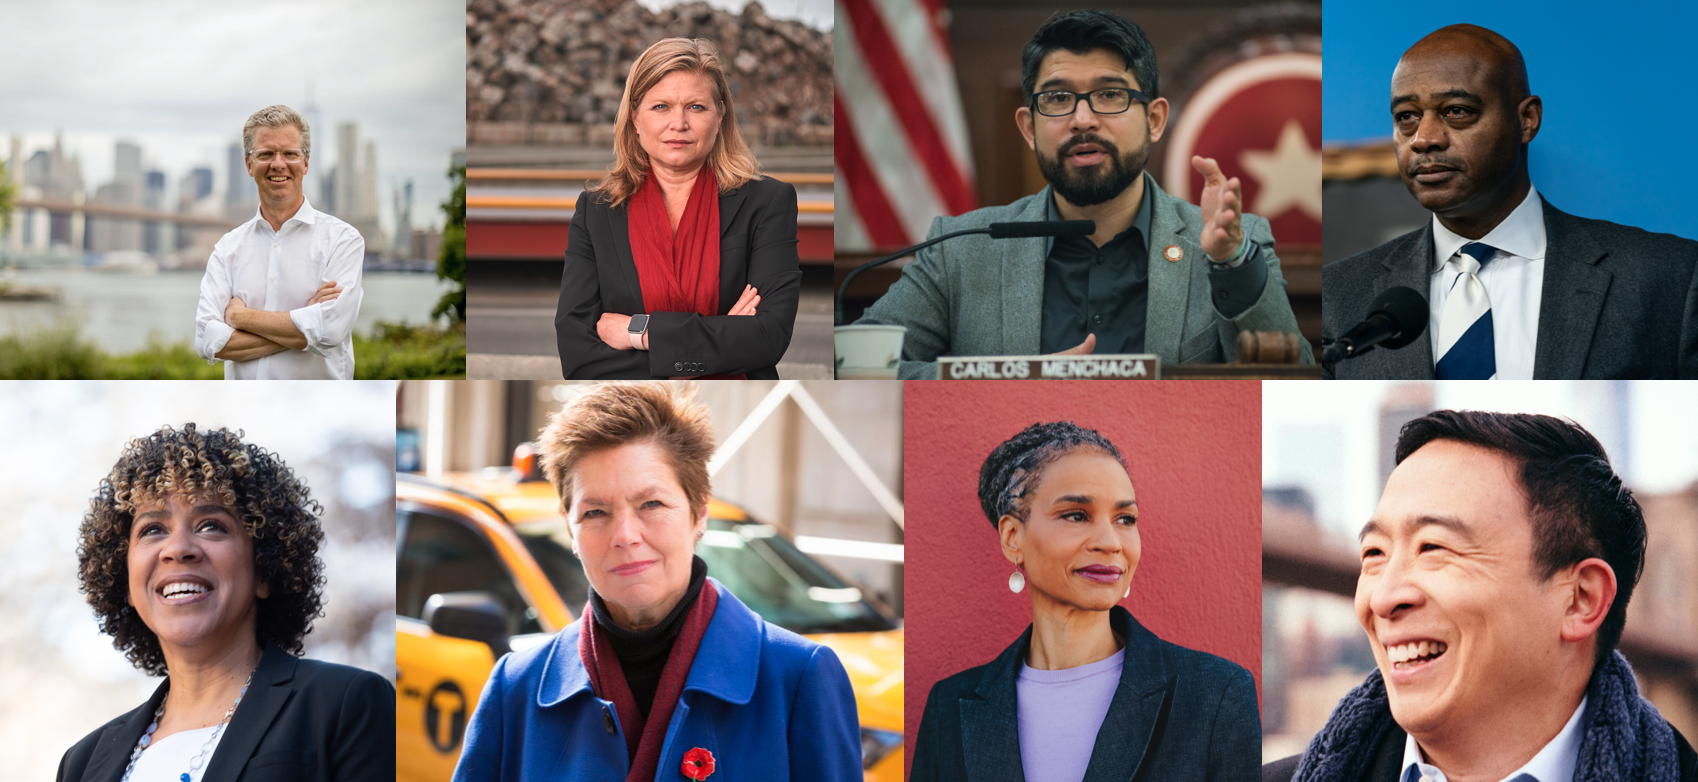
[(1465, 325)]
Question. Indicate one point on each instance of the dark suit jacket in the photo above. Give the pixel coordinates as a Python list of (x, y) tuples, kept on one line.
[(1617, 302), (1178, 714), (1388, 757), (301, 720), (757, 246)]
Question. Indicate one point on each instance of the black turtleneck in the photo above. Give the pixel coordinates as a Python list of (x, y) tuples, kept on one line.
[(642, 654)]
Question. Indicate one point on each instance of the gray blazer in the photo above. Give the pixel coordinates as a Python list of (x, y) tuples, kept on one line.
[(1177, 714), (978, 296), (1617, 302)]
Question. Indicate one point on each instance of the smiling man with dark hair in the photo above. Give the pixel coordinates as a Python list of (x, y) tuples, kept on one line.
[(1158, 276), (1496, 573), (1516, 288)]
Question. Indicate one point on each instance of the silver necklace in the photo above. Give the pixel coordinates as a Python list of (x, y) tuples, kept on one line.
[(199, 759)]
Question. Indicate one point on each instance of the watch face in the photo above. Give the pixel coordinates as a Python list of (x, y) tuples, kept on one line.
[(639, 323)]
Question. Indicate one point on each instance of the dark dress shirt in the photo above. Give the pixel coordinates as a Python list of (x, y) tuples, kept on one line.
[(1105, 290)]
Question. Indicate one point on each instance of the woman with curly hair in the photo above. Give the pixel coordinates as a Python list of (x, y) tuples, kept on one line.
[(199, 554), (1086, 693)]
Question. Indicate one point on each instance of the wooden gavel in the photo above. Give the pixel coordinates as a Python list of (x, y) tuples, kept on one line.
[(1268, 347)]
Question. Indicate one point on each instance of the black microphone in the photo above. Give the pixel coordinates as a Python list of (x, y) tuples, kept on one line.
[(1395, 318), (1049, 228), (996, 231)]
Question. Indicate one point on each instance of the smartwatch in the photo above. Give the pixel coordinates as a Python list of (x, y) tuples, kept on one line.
[(638, 325)]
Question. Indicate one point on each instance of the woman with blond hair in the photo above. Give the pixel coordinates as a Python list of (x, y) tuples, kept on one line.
[(682, 260), (666, 675)]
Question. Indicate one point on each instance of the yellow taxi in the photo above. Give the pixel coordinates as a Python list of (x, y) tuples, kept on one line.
[(483, 567)]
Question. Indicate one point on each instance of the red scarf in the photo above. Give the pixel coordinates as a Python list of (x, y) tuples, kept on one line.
[(678, 273), (644, 736)]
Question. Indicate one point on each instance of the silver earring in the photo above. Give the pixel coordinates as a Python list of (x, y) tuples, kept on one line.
[(1017, 581), (1128, 591)]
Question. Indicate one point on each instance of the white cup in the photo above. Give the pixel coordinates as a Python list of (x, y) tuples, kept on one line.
[(867, 351)]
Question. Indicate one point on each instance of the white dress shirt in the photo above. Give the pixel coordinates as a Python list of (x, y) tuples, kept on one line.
[(278, 271), (168, 759), (1513, 278), (1554, 763)]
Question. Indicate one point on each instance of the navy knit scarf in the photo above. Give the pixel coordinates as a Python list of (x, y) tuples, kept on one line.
[(1622, 735)]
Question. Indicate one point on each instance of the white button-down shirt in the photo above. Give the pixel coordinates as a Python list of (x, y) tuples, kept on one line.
[(1554, 763), (278, 271), (1513, 278)]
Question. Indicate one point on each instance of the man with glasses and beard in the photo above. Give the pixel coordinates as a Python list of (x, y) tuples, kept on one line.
[(1158, 276)]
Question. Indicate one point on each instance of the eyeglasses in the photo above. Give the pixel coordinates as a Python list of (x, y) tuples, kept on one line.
[(268, 155), (1109, 100)]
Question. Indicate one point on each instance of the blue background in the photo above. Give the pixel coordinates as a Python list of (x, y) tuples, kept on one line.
[(1617, 81)]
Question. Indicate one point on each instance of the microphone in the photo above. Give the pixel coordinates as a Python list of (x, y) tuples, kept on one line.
[(996, 231), (1395, 318), (1049, 228)]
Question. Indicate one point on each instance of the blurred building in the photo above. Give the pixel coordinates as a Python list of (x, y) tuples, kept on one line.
[(115, 234), (241, 195), (788, 472)]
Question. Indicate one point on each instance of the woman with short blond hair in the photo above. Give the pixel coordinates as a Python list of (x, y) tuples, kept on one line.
[(682, 261), (666, 675)]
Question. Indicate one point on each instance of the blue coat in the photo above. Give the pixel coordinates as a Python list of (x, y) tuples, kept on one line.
[(769, 704)]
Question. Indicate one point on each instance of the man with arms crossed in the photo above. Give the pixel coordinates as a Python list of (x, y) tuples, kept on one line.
[(1516, 289), (281, 291), (1159, 275), (1495, 578)]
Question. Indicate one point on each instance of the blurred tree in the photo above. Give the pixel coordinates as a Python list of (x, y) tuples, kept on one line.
[(451, 264), (8, 192)]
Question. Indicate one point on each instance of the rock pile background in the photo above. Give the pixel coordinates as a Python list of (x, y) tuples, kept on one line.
[(542, 71)]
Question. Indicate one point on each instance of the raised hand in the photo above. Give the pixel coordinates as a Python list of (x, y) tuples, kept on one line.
[(1223, 208), (746, 303), (1085, 348)]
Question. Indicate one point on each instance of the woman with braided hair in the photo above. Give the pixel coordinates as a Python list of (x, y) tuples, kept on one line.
[(1086, 693), (199, 554)]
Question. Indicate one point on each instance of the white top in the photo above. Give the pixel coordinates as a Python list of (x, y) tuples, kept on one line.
[(167, 759), (1554, 763), (278, 271), (1514, 277)]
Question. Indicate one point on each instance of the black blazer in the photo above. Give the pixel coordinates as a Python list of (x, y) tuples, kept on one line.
[(1617, 302), (301, 720), (1178, 714), (757, 246), (1388, 757)]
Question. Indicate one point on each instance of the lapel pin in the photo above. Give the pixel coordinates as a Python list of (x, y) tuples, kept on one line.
[(698, 764), (1173, 254)]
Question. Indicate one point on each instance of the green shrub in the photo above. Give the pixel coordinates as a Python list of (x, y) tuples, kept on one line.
[(389, 351)]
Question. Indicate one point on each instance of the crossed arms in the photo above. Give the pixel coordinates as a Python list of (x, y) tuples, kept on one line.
[(226, 328)]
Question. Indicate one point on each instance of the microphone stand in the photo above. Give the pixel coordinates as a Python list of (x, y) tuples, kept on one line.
[(855, 272)]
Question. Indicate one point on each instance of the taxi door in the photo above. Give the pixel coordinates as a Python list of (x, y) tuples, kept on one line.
[(439, 678)]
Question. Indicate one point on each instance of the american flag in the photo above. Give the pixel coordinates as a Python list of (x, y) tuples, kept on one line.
[(901, 154)]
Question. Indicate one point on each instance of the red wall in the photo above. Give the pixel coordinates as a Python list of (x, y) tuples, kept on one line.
[(1194, 449)]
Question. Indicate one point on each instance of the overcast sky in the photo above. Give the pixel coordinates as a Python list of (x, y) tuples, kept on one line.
[(179, 77)]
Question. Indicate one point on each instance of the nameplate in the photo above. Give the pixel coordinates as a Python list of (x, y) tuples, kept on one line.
[(1127, 366)]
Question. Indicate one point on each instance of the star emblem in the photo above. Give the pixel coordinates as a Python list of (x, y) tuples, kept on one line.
[(1289, 175)]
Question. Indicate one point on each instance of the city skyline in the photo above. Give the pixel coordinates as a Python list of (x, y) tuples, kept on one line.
[(396, 68)]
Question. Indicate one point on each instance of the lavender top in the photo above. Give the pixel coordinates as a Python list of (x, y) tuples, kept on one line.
[(1060, 714)]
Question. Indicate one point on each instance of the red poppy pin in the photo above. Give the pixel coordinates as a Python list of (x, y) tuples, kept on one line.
[(698, 764)]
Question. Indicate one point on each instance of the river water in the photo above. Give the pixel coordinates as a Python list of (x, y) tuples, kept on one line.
[(118, 311)]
